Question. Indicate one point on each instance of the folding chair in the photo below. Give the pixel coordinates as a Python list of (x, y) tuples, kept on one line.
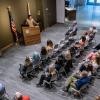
[(51, 83), (80, 92)]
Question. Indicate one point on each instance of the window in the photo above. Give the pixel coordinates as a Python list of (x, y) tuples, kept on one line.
[(98, 1), (93, 2)]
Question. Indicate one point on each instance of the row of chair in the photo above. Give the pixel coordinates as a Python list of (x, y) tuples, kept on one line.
[(51, 82)]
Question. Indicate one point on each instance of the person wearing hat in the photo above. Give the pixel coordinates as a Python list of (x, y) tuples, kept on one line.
[(19, 96)]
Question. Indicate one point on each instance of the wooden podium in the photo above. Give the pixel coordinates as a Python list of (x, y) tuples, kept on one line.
[(31, 35)]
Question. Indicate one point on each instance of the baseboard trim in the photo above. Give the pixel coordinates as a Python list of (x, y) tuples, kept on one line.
[(6, 47)]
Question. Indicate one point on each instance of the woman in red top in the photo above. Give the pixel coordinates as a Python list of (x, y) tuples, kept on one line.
[(19, 96)]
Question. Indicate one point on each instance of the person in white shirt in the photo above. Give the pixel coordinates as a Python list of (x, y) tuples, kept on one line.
[(31, 22)]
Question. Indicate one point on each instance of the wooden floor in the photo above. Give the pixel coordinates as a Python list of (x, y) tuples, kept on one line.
[(9, 74)]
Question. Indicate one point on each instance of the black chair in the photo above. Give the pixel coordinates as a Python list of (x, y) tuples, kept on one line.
[(3, 93), (27, 73), (50, 84), (80, 92)]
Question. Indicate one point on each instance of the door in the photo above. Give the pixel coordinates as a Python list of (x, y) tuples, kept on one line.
[(49, 12)]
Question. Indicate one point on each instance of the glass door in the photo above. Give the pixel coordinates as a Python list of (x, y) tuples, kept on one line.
[(93, 2), (98, 1)]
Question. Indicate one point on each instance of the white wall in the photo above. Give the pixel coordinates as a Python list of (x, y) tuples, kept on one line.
[(60, 7)]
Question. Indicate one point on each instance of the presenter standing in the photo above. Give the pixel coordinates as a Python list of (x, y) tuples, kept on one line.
[(31, 22)]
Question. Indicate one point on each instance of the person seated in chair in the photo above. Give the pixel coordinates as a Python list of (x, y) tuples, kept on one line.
[(91, 56), (79, 46), (28, 66), (82, 41), (19, 96), (43, 52), (69, 63), (59, 63), (48, 75), (93, 30), (36, 58), (50, 46), (86, 34), (78, 83), (86, 67), (96, 63), (73, 29)]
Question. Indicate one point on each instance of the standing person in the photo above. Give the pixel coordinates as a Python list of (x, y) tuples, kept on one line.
[(31, 22)]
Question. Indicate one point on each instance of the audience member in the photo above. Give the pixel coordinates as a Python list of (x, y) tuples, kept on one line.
[(50, 73), (68, 58), (27, 64), (50, 46), (19, 96), (77, 84), (36, 58), (43, 51), (73, 29)]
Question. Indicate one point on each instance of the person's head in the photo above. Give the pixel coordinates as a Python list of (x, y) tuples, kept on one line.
[(83, 74), (29, 16), (51, 68), (83, 38), (60, 59), (43, 51), (49, 43), (27, 59), (18, 96), (97, 97), (68, 55), (89, 67)]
